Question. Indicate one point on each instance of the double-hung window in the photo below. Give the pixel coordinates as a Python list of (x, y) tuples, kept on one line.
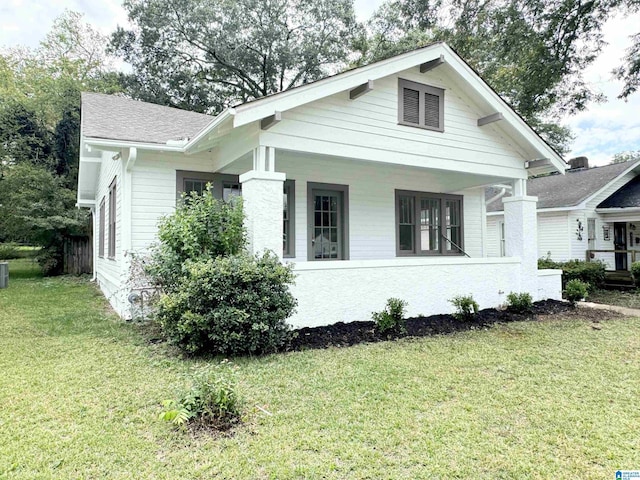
[(420, 105), (101, 233), (112, 219), (428, 223)]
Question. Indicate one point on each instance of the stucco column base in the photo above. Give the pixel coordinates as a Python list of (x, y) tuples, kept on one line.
[(521, 238), (263, 201)]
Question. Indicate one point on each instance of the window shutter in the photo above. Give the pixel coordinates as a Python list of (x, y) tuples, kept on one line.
[(431, 110), (410, 106)]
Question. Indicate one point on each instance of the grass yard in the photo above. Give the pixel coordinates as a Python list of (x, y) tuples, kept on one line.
[(623, 298), (81, 393)]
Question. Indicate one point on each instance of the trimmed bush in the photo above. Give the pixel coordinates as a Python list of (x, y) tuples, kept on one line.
[(229, 305), (591, 273), (635, 271), (391, 319), (576, 290), (466, 307), (212, 401), (519, 302)]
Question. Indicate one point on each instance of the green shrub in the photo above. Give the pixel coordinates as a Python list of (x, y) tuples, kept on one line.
[(591, 273), (466, 307), (212, 401), (391, 319), (9, 251), (229, 305), (576, 290), (546, 262), (202, 227), (635, 271), (519, 302)]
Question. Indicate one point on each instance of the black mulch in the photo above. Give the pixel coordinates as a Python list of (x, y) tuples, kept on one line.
[(346, 334)]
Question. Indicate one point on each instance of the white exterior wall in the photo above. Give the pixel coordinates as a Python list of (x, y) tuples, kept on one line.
[(372, 229), (109, 270), (367, 128), (553, 235), (154, 191), (348, 291)]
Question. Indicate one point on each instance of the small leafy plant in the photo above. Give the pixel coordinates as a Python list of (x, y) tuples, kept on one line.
[(635, 271), (576, 290), (519, 302), (391, 319), (466, 307), (211, 402)]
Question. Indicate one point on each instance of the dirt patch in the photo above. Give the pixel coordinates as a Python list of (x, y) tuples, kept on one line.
[(347, 334)]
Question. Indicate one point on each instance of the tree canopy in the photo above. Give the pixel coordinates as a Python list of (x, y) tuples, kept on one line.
[(532, 52), (203, 55), (40, 132)]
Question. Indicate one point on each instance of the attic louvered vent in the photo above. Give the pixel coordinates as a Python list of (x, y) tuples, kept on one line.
[(411, 106), (420, 105)]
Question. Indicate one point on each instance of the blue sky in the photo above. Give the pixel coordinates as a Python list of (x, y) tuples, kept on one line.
[(601, 131)]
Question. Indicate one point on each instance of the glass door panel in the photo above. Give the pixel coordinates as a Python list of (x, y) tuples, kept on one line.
[(327, 236)]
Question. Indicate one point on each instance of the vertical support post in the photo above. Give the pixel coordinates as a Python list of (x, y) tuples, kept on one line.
[(263, 201), (521, 237)]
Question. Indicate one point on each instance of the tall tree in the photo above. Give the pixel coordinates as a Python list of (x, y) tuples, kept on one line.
[(532, 52), (39, 133), (204, 54)]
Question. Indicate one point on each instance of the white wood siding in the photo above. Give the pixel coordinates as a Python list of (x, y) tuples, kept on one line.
[(154, 191), (369, 127), (109, 271), (553, 236), (371, 200), (372, 203)]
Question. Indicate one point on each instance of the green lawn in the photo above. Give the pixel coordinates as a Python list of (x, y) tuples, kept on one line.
[(81, 393)]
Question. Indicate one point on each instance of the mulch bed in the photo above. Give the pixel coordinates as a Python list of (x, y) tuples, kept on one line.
[(347, 334)]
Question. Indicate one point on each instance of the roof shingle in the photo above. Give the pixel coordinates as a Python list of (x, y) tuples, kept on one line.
[(113, 117), (557, 191)]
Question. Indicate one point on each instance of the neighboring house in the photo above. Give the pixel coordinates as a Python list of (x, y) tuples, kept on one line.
[(587, 213), (371, 181)]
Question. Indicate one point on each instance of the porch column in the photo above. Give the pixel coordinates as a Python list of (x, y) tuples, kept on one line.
[(262, 198), (521, 238)]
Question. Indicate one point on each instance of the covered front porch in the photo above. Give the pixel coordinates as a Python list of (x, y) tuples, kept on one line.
[(360, 232)]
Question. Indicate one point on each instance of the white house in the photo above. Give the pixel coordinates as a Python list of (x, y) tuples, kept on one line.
[(371, 181), (587, 213)]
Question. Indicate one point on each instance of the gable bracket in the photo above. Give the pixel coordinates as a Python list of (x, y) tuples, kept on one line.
[(361, 90), (542, 162), (494, 117), (268, 122), (431, 64)]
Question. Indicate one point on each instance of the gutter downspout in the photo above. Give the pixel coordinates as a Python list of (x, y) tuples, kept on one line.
[(499, 195)]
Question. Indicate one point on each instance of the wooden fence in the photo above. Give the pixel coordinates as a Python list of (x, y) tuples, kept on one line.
[(78, 256)]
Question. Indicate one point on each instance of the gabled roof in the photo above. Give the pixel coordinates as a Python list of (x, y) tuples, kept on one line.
[(117, 118), (113, 117), (626, 197), (563, 191)]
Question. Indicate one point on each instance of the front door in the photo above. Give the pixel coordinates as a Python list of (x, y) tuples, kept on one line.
[(620, 243), (327, 228)]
